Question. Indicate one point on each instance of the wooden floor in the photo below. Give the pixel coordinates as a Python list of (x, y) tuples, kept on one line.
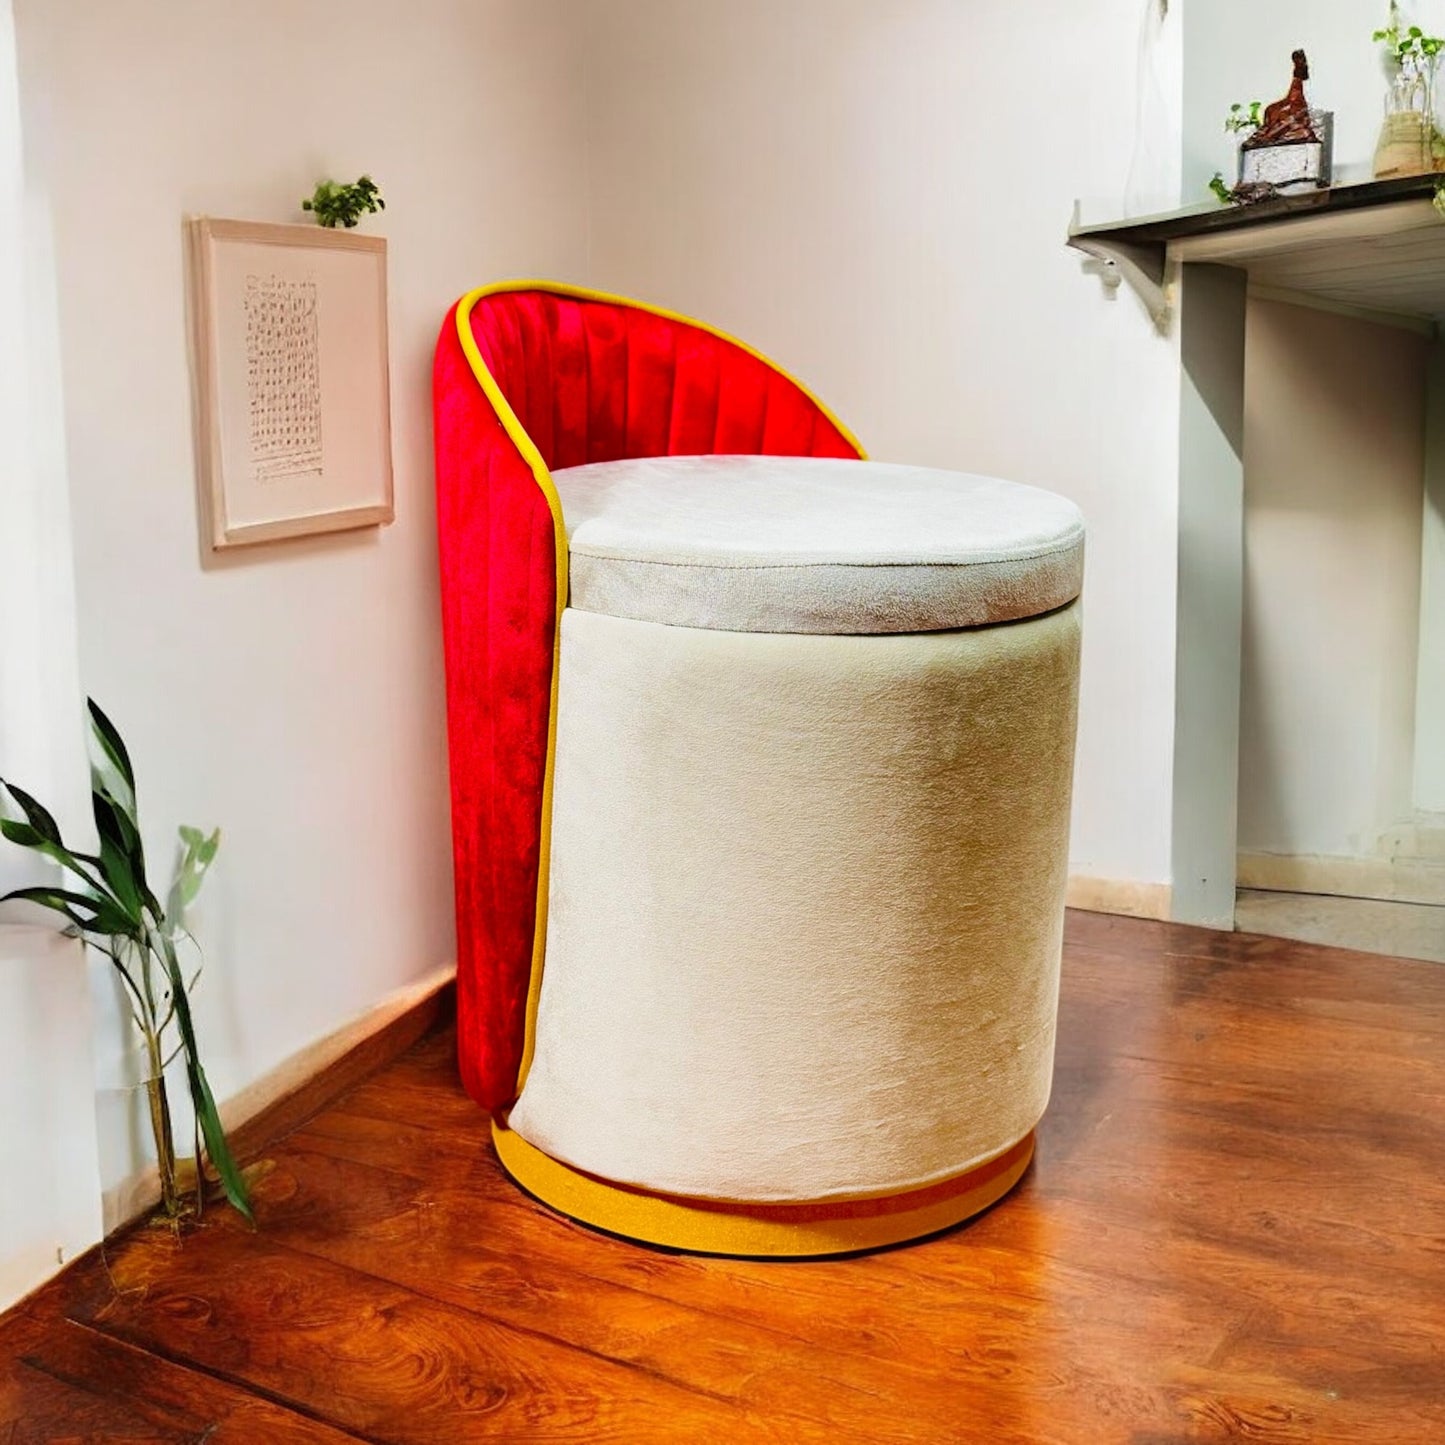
[(1233, 1231)]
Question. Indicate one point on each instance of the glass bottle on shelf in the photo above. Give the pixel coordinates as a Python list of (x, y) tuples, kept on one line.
[(1409, 143)]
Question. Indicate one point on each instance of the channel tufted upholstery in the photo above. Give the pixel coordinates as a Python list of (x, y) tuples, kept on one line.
[(555, 379), (594, 381)]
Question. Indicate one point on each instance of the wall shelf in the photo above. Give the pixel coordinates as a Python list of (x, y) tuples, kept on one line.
[(1376, 249)]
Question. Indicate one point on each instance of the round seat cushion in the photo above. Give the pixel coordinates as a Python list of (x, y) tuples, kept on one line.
[(805, 544)]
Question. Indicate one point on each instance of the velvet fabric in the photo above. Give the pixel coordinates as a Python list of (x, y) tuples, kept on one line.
[(814, 544), (587, 379), (807, 905)]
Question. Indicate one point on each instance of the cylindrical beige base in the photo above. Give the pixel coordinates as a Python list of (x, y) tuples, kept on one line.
[(806, 906)]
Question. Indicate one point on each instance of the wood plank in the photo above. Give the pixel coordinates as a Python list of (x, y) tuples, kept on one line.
[(432, 1235), (1203, 1279), (60, 1380), (377, 1360)]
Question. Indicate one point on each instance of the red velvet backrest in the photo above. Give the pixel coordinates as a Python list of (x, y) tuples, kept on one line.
[(589, 379), (599, 381)]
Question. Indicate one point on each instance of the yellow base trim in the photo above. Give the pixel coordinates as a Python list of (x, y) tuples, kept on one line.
[(703, 1226)]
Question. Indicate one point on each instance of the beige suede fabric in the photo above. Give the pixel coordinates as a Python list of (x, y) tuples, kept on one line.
[(807, 544), (806, 904)]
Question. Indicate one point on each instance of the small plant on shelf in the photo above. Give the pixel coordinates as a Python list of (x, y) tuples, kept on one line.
[(1409, 48), (1244, 117), (113, 909), (335, 203)]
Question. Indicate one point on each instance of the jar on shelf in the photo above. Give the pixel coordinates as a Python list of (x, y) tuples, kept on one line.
[(1409, 143)]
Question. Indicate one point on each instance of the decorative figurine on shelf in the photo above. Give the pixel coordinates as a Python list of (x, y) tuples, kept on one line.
[(1289, 149), (1286, 146), (1287, 121)]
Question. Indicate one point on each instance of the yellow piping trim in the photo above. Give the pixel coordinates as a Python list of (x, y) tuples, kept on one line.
[(528, 449), (780, 1230)]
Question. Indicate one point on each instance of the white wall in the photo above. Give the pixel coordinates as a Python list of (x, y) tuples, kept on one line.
[(49, 1182), (1429, 785), (291, 694), (878, 196), (1334, 453), (49, 1186)]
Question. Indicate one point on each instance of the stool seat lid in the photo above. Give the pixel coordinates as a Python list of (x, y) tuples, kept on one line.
[(822, 545)]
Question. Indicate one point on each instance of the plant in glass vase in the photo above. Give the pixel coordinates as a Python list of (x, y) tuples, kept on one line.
[(1410, 142), (113, 909)]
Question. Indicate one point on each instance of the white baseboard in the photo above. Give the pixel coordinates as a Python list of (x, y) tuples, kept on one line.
[(140, 1192), (1396, 880), (1114, 895)]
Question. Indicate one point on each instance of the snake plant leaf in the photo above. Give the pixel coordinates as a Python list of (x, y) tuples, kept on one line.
[(202, 1100), (36, 815)]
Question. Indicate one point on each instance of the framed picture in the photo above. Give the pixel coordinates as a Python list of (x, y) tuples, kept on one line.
[(291, 378)]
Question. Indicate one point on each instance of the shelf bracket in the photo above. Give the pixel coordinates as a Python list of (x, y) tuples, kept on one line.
[(1141, 266)]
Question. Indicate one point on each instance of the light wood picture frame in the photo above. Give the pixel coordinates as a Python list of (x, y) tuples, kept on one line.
[(292, 380)]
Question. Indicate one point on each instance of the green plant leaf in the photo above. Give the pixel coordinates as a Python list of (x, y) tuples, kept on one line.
[(112, 774), (198, 853), (25, 834), (202, 1100), (117, 825), (35, 815), (111, 744), (105, 919), (85, 866), (335, 203), (112, 914), (122, 858), (58, 900)]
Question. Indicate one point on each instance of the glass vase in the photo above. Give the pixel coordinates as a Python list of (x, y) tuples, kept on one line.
[(1409, 142)]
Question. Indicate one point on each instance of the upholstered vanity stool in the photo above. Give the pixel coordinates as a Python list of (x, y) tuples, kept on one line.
[(761, 759)]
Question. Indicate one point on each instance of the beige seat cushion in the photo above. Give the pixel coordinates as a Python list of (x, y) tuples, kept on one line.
[(803, 544)]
